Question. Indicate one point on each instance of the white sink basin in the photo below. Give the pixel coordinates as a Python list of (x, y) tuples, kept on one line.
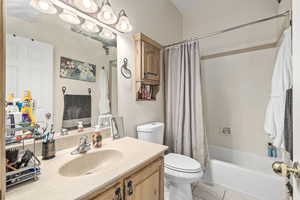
[(91, 163)]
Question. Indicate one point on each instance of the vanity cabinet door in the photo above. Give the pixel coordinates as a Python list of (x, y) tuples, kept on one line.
[(146, 184), (150, 62), (114, 193)]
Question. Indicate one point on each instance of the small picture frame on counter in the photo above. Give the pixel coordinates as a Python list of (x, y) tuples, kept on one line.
[(117, 127)]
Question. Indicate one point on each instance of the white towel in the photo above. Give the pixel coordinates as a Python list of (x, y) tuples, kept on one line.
[(104, 107), (281, 82)]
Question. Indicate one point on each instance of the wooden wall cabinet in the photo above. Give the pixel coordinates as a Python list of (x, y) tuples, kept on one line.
[(144, 183), (147, 66)]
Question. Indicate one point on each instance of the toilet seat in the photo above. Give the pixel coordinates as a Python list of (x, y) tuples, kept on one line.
[(181, 163)]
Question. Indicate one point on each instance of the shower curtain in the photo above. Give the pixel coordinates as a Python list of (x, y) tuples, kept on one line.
[(185, 131)]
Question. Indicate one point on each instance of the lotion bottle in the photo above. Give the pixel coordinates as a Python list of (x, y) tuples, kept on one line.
[(97, 137)]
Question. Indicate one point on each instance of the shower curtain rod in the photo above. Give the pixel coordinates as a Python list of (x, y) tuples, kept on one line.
[(287, 13)]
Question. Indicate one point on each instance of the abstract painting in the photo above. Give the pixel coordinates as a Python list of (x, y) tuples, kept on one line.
[(77, 70)]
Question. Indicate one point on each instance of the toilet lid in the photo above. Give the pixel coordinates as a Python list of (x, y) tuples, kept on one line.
[(182, 163)]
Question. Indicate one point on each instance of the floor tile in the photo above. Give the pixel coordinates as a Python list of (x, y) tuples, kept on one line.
[(232, 195), (208, 192)]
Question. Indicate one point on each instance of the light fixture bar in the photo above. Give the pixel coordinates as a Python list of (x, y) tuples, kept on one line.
[(92, 18)]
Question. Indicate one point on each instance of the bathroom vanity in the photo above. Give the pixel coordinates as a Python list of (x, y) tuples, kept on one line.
[(122, 169), (144, 182)]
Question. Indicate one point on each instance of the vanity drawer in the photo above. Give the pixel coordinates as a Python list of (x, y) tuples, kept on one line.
[(113, 193), (146, 184)]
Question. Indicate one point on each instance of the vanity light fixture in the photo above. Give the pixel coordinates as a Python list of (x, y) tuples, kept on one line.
[(90, 27), (44, 6), (106, 14), (88, 6), (69, 17), (95, 17), (107, 34), (123, 24)]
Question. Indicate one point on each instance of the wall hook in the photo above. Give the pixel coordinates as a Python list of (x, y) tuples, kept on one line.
[(124, 69), (64, 89)]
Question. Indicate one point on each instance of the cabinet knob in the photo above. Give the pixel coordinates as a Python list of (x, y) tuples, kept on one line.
[(118, 194), (129, 188)]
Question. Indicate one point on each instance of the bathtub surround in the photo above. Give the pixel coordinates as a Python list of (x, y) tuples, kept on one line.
[(185, 131), (281, 81)]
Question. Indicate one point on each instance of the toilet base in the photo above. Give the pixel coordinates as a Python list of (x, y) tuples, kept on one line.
[(175, 191)]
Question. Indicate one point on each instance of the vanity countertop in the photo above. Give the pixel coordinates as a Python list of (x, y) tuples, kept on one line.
[(51, 185)]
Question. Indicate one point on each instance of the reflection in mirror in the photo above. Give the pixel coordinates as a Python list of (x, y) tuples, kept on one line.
[(117, 126), (44, 54)]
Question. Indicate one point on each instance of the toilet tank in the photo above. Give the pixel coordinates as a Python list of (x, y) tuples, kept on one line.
[(151, 132)]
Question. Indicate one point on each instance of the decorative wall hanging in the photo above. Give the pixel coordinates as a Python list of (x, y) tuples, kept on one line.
[(77, 70)]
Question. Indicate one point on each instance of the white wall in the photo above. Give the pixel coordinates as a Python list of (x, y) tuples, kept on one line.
[(50, 29), (237, 87), (160, 20), (285, 5)]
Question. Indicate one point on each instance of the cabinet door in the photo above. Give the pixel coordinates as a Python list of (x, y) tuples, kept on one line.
[(150, 62), (146, 184), (114, 193)]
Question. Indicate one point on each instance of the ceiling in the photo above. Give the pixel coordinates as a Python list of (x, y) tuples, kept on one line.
[(21, 9), (187, 6)]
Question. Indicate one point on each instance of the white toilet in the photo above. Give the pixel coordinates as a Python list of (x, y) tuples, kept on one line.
[(180, 171)]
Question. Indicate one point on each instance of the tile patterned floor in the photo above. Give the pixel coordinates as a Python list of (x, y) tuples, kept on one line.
[(214, 192)]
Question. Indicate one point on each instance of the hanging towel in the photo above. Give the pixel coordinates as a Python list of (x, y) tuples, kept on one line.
[(288, 123), (281, 82), (104, 107)]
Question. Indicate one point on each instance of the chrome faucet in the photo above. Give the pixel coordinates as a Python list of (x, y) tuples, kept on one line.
[(84, 146)]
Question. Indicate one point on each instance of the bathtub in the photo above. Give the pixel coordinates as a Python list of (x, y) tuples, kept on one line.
[(244, 172)]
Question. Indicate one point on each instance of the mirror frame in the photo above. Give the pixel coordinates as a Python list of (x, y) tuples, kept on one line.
[(2, 98)]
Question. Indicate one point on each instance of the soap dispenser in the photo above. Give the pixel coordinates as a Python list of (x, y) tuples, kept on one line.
[(97, 137)]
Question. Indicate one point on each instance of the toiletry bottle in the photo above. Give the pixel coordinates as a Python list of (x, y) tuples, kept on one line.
[(80, 126), (10, 118), (10, 108), (27, 109), (97, 137), (270, 149)]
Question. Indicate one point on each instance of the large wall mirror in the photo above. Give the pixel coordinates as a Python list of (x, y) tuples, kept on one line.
[(66, 70)]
